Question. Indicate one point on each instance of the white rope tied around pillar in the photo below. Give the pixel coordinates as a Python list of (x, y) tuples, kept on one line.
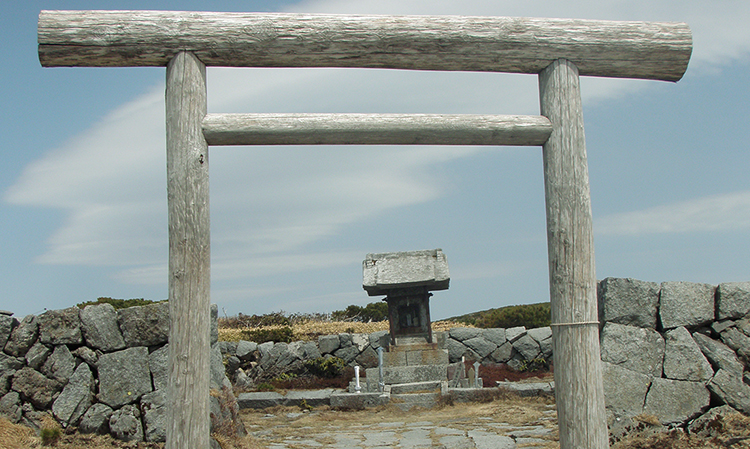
[(580, 323)]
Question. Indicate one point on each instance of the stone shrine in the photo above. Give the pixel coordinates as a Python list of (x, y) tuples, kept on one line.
[(406, 278)]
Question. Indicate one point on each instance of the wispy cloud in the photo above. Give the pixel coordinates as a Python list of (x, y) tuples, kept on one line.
[(728, 212), (273, 203)]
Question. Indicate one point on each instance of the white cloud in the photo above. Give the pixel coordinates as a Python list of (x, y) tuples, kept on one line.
[(273, 203), (727, 212)]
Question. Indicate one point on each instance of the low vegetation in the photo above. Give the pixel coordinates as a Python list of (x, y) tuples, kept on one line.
[(529, 315), (118, 303)]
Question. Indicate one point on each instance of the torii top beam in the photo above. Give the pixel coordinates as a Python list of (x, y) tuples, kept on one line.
[(647, 50)]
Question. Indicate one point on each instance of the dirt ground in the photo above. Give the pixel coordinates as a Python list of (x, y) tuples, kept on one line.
[(732, 432)]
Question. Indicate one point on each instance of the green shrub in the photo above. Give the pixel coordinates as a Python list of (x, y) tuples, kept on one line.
[(538, 364), (372, 312), (50, 435), (280, 334), (118, 303), (329, 367), (265, 386), (531, 316)]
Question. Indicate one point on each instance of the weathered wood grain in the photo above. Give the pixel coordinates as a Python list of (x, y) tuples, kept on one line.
[(570, 244), (651, 50), (189, 255), (375, 129)]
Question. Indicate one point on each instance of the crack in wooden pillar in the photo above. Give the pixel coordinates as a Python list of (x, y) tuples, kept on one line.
[(570, 245), (188, 423)]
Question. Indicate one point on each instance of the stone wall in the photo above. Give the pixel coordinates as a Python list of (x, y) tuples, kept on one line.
[(101, 370), (674, 349)]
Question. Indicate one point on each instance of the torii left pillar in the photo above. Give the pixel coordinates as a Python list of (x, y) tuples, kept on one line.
[(189, 255)]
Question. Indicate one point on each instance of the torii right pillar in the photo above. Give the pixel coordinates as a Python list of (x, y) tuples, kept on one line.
[(572, 276)]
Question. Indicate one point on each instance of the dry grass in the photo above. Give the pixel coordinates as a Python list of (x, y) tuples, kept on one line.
[(311, 330), (729, 431)]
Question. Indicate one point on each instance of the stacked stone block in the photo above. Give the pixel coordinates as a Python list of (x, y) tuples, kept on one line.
[(97, 369), (674, 350)]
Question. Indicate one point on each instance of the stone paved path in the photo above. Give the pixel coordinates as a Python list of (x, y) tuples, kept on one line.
[(449, 433)]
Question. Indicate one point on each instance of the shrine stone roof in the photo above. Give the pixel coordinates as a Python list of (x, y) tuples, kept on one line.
[(382, 272)]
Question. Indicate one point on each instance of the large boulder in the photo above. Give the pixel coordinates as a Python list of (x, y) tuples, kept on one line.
[(737, 340), (328, 344), (37, 355), (100, 328), (36, 387), (145, 325), (628, 301), (246, 349), (720, 355), (731, 390), (503, 353), (495, 335), (635, 348), (686, 304), (125, 424), (7, 323), (76, 397), (96, 419), (61, 327), (464, 333), (23, 336), (675, 401), (624, 390), (10, 407), (60, 365), (154, 412), (124, 376), (8, 367), (527, 347), (480, 346), (732, 300), (158, 364), (683, 359)]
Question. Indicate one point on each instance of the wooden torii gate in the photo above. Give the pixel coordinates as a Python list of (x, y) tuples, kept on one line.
[(558, 50)]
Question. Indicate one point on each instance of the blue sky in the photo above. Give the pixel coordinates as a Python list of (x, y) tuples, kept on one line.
[(83, 180)]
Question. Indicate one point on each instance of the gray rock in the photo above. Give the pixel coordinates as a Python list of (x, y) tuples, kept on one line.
[(61, 327), (635, 348), (345, 340), (233, 364), (683, 359), (308, 351), (225, 414), (158, 364), (540, 334), (96, 419), (628, 301), (733, 300), (60, 365), (88, 355), (719, 354), (214, 336), (480, 346), (228, 347), (496, 335), (686, 304), (23, 336), (100, 328), (730, 389), (361, 341), (7, 323), (328, 344), (10, 407), (35, 387), (720, 326), (527, 347), (676, 401), (514, 333), (145, 325), (464, 333), (125, 424), (348, 354), (154, 413), (545, 349), (503, 353), (37, 355), (456, 350), (246, 349), (124, 376), (737, 340), (218, 372), (624, 390), (76, 397), (8, 367), (376, 339), (707, 425), (367, 358), (261, 399)]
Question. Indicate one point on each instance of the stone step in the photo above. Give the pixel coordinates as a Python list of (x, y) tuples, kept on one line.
[(264, 399), (416, 387), (415, 355), (408, 374), (410, 400)]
